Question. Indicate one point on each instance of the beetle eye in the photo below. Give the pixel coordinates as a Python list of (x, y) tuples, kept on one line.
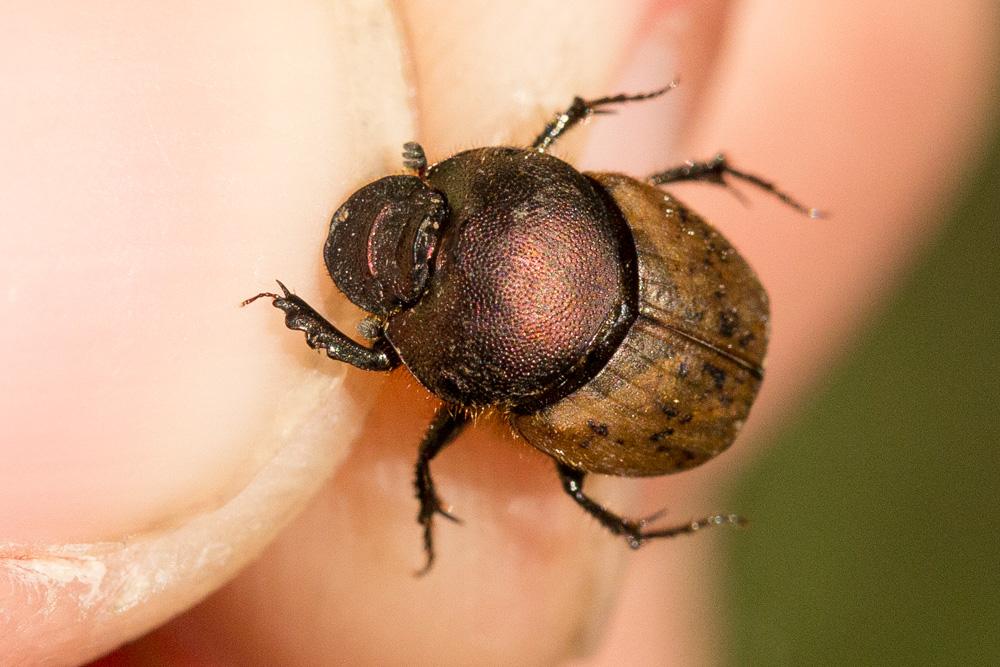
[(382, 241)]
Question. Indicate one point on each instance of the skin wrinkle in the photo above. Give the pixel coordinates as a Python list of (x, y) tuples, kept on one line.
[(109, 584)]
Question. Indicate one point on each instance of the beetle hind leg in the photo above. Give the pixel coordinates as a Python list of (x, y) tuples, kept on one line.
[(447, 424), (634, 531)]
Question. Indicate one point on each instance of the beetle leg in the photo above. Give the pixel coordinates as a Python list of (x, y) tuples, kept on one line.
[(321, 335), (447, 424), (634, 531), (581, 109), (716, 170)]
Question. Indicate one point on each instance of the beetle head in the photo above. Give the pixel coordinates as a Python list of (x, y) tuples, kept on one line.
[(382, 241)]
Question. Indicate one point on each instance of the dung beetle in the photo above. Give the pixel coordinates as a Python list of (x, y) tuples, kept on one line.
[(615, 329)]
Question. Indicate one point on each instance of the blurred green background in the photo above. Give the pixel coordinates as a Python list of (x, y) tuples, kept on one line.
[(876, 537)]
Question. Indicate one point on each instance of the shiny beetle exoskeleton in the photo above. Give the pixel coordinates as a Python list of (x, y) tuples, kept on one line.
[(617, 331)]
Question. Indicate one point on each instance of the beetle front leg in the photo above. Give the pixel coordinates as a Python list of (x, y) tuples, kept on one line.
[(715, 171), (634, 531), (321, 335)]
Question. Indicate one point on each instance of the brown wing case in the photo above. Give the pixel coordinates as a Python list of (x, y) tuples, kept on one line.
[(677, 390)]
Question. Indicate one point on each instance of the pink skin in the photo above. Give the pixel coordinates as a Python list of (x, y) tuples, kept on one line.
[(162, 163)]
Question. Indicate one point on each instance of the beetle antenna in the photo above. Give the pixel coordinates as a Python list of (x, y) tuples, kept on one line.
[(414, 158)]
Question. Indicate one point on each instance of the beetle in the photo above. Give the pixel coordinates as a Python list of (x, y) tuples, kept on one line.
[(616, 330)]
